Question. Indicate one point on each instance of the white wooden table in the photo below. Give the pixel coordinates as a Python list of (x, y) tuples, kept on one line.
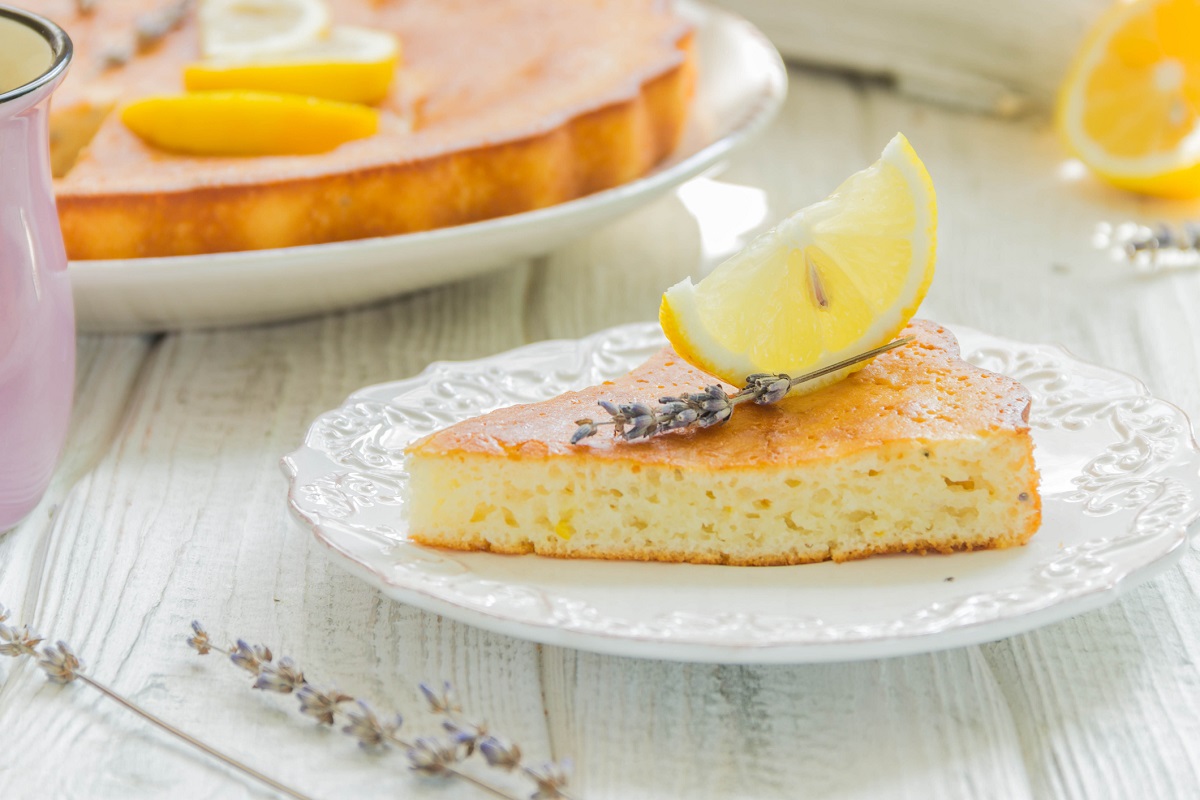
[(169, 506)]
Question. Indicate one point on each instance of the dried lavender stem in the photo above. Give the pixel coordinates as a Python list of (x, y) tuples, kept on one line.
[(1152, 248), (850, 362), (194, 742), (712, 406), (399, 742), (62, 666)]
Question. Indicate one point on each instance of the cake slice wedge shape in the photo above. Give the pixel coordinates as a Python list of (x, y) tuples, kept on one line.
[(919, 451)]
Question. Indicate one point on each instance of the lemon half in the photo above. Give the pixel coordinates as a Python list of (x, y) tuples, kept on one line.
[(1130, 106), (835, 279)]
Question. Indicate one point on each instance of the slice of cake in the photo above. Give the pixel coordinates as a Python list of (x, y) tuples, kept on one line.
[(918, 451)]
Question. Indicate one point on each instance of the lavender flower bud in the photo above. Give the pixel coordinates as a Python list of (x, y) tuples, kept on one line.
[(618, 417), (642, 421), (18, 641), (687, 417), (709, 419), (712, 399), (586, 428), (679, 414), (611, 408), (59, 663), (367, 728), (465, 734), (199, 641), (431, 757), (550, 779), (774, 391), (499, 754), (671, 406), (152, 27), (283, 677), (117, 55), (321, 706), (632, 410), (443, 703), (250, 657)]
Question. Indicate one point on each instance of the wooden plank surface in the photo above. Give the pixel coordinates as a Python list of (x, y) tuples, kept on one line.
[(169, 506)]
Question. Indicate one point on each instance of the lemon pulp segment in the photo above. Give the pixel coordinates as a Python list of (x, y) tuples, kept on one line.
[(247, 123)]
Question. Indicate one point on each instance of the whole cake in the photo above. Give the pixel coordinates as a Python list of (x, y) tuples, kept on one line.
[(919, 451), (501, 106)]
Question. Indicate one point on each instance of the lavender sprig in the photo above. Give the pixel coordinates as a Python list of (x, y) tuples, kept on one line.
[(549, 778), (427, 755), (62, 666), (152, 27), (1154, 248), (149, 29), (712, 406)]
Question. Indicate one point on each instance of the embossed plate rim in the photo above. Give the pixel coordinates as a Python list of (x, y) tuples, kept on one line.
[(567, 625)]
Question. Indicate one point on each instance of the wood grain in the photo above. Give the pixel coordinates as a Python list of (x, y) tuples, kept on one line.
[(169, 506)]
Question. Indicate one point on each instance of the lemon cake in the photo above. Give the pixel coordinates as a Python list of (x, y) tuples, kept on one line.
[(919, 451), (498, 107)]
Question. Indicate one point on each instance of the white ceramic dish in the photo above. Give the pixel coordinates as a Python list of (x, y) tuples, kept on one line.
[(741, 85), (1120, 484)]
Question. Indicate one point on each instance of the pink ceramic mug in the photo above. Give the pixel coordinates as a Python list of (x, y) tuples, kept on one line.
[(37, 320)]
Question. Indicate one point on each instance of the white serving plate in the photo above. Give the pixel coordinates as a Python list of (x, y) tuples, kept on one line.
[(741, 85), (1120, 481)]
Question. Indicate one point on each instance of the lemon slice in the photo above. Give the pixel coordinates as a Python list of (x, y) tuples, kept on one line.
[(244, 29), (353, 65), (247, 123), (1130, 106), (834, 279)]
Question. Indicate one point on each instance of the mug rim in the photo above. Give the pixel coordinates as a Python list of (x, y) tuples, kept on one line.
[(60, 47)]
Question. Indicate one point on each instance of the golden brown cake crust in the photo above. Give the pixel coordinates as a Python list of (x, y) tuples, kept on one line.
[(913, 392), (917, 547), (520, 104)]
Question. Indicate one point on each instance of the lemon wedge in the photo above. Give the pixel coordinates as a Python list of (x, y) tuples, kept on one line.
[(353, 65), (1130, 106), (246, 29), (835, 279), (247, 123)]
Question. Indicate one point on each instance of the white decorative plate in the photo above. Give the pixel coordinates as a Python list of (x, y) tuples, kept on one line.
[(740, 87), (1120, 484)]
